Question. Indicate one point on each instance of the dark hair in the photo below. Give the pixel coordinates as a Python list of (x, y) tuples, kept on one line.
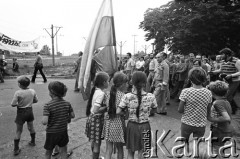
[(129, 54), (139, 80), (38, 53), (99, 80), (199, 62), (80, 53), (24, 81), (164, 54), (57, 88), (119, 78), (226, 51), (197, 76)]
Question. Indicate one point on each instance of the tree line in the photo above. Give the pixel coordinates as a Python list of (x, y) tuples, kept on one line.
[(198, 26)]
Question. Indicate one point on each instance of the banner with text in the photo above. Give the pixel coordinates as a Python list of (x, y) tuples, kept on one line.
[(7, 43)]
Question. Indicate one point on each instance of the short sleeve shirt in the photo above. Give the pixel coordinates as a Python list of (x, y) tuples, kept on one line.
[(196, 102), (218, 107), (58, 112), (97, 99), (130, 64), (130, 101), (24, 98)]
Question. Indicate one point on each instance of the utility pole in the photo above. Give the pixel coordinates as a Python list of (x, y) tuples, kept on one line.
[(134, 44), (145, 47), (57, 42), (52, 36), (121, 45)]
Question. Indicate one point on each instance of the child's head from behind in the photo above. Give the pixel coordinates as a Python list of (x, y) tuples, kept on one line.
[(23, 81), (101, 80), (139, 79), (57, 89), (120, 80), (197, 76), (119, 83), (218, 88)]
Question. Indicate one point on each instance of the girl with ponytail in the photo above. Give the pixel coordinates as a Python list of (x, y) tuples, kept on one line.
[(114, 125), (95, 112), (139, 104)]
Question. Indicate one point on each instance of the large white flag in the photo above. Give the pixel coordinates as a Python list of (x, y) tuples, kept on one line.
[(102, 34), (7, 43)]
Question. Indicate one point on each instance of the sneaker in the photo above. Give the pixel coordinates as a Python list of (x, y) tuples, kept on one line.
[(16, 152), (31, 144)]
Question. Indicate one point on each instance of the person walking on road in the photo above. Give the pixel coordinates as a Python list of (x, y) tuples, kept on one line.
[(77, 70), (38, 66)]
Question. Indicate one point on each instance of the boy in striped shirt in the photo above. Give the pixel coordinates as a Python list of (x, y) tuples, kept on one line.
[(56, 115)]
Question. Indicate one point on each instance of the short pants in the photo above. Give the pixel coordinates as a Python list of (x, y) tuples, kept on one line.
[(52, 139), (24, 115)]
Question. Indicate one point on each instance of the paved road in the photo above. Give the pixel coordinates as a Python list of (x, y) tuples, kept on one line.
[(7, 125)]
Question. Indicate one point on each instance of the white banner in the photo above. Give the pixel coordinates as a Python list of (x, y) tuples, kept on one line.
[(7, 43)]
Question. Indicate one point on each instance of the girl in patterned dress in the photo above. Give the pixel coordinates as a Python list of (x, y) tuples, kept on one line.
[(95, 111), (114, 126), (139, 104)]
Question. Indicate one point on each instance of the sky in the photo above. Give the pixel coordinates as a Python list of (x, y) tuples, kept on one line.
[(25, 20)]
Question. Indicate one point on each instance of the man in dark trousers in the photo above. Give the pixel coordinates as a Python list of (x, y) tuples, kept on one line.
[(38, 66), (1, 70), (77, 70)]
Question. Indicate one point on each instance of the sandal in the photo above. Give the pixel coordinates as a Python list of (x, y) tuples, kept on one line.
[(55, 154)]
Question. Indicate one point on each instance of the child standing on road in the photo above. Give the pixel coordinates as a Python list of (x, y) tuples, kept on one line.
[(193, 104), (95, 112), (139, 104), (56, 115), (114, 125), (23, 100), (220, 112)]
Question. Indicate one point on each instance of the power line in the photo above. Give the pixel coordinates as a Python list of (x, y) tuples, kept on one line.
[(52, 37), (134, 44), (121, 45)]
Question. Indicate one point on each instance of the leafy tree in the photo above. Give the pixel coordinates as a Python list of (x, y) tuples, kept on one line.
[(196, 26), (45, 50)]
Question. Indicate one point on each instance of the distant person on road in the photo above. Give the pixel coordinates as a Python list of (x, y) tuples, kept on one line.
[(38, 65), (56, 115), (15, 65), (3, 64), (23, 100), (77, 70)]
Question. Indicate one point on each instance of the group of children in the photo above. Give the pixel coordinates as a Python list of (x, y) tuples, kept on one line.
[(57, 113), (199, 104), (107, 113), (111, 125)]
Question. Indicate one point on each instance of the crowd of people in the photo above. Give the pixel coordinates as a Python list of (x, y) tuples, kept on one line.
[(204, 88)]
